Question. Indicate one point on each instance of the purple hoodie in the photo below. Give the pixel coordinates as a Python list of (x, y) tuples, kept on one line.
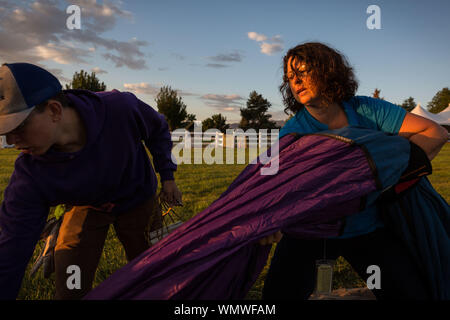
[(113, 167)]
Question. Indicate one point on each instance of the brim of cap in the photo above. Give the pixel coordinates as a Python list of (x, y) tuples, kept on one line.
[(11, 121)]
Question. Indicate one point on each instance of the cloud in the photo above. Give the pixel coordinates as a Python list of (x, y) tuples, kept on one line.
[(221, 97), (57, 73), (36, 32), (24, 29), (100, 17), (229, 103), (128, 51), (256, 36), (271, 48), (61, 54), (277, 39), (120, 61), (216, 65), (229, 57), (273, 45), (142, 88), (185, 93), (97, 70), (146, 88)]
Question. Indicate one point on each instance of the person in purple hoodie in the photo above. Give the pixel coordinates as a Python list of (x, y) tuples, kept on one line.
[(85, 150)]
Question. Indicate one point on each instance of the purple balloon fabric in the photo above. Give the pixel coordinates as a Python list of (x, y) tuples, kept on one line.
[(216, 254)]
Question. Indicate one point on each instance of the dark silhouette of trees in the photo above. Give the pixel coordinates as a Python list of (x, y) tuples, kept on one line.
[(83, 80), (255, 115)]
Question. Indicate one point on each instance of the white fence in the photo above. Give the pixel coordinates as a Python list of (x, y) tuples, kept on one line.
[(4, 144), (237, 139)]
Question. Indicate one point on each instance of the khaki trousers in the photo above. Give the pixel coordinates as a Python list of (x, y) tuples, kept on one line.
[(82, 236)]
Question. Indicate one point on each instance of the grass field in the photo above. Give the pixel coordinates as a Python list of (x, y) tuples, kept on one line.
[(201, 185)]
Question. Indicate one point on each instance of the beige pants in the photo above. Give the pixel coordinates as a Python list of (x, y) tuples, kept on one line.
[(82, 236)]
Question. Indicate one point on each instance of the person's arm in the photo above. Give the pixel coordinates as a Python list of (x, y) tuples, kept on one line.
[(157, 138), (391, 118), (22, 218), (425, 133)]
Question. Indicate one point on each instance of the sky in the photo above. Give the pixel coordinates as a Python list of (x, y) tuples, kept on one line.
[(214, 53)]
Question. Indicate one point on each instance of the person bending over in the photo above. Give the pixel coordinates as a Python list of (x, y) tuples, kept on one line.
[(85, 150)]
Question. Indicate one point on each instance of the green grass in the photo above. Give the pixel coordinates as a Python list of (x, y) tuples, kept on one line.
[(201, 185), (441, 172)]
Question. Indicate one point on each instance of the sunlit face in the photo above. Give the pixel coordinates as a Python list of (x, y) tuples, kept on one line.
[(35, 135), (302, 88)]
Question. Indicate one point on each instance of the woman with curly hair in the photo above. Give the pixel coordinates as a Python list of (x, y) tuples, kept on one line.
[(319, 88)]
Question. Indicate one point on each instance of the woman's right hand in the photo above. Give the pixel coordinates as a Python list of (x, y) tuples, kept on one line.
[(273, 238)]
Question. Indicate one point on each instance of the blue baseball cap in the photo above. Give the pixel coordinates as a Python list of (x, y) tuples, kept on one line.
[(22, 87)]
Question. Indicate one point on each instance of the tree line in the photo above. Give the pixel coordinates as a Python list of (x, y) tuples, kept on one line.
[(171, 105), (439, 102), (254, 115)]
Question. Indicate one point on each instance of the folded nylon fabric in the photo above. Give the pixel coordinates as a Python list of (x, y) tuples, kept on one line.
[(215, 255), (420, 217)]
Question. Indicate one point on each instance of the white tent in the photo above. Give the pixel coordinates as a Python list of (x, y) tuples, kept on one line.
[(445, 110), (441, 118), (445, 115)]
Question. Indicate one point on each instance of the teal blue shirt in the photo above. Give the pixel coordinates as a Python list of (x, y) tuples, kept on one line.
[(364, 112)]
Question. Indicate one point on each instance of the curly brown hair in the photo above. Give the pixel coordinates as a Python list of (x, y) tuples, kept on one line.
[(329, 71)]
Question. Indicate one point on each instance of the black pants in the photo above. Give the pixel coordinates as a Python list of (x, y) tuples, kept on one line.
[(292, 270)]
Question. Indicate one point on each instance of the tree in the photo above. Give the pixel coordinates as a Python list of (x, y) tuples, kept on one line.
[(440, 101), (217, 121), (83, 80), (173, 108), (254, 116), (408, 104), (376, 94), (189, 122)]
